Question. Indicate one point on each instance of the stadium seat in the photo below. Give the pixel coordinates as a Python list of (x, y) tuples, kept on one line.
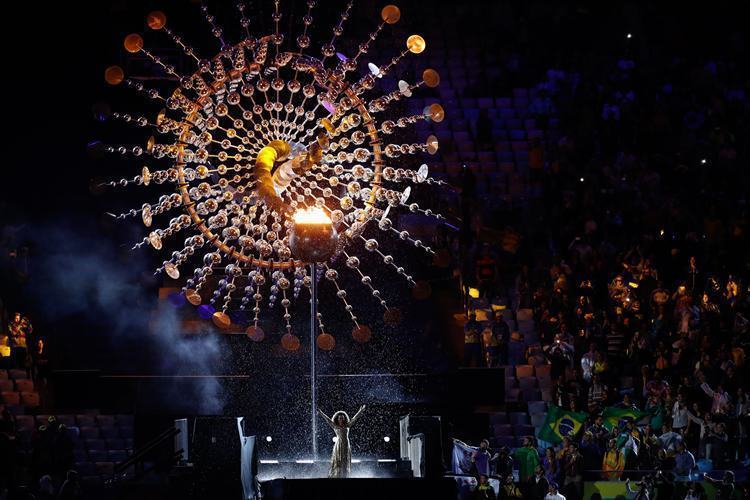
[(89, 433), (17, 374), (117, 456), (86, 469), (106, 468), (11, 398), (125, 420), (531, 395), (524, 371), (512, 395), (97, 455), (502, 429), (84, 420), (126, 432), (105, 420), (30, 399), (25, 422), (519, 418), (523, 430), (109, 432), (25, 385), (503, 102), (537, 407), (14, 409), (6, 386), (507, 441), (527, 383), (544, 383), (538, 420), (499, 417), (68, 420), (485, 102), (94, 444), (115, 444), (542, 371)]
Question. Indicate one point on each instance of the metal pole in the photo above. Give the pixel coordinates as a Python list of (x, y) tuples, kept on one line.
[(313, 348)]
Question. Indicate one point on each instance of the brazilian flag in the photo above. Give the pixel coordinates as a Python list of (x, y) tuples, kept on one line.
[(559, 424), (614, 416)]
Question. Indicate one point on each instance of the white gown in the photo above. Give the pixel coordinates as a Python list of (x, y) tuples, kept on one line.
[(341, 456)]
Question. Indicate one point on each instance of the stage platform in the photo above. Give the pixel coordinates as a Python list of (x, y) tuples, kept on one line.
[(380, 488)]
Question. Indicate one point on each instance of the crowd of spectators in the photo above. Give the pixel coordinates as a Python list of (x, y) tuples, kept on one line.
[(634, 261), (43, 459)]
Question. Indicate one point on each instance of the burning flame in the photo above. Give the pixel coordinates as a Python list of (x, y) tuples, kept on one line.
[(312, 215)]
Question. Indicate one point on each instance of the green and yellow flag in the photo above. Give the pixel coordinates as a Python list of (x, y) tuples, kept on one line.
[(559, 424), (613, 416)]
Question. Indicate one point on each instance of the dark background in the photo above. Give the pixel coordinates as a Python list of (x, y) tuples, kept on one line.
[(93, 297)]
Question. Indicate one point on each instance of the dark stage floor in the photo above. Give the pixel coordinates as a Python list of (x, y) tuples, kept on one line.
[(391, 489)]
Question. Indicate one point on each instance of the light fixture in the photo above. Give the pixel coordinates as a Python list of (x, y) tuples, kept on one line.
[(261, 146)]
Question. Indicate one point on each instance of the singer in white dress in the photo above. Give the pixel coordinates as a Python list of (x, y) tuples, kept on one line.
[(341, 456)]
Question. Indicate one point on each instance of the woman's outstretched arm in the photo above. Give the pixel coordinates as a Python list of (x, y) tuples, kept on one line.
[(355, 417), (326, 417)]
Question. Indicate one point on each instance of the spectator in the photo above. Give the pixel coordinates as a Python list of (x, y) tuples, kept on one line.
[(509, 490), (482, 458), (46, 488), (504, 462), (587, 363), (573, 469), (614, 461), (719, 398), (501, 334), (550, 466), (540, 484), (20, 329), (679, 414), (527, 458), (644, 488), (717, 444), (684, 460), (472, 345), (626, 403), (724, 487), (560, 354), (40, 361), (71, 488), (597, 394), (694, 491), (591, 453), (669, 439), (553, 493), (484, 489)]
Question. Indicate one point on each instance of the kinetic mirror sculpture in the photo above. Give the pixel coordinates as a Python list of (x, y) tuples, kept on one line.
[(277, 160)]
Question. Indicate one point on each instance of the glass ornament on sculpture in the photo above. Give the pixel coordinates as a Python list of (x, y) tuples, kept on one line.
[(258, 135)]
